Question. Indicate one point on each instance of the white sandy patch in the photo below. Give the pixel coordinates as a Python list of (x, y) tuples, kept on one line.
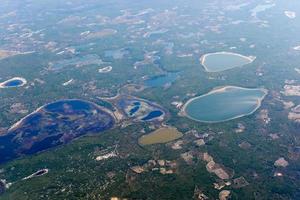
[(213, 167), (281, 162), (35, 174), (278, 174), (106, 156), (261, 8), (5, 183), (252, 46), (224, 195), (85, 33), (296, 109), (199, 142), (68, 82), (105, 69), (288, 104), (291, 90), (177, 104), (297, 48), (290, 14), (177, 145), (294, 117)]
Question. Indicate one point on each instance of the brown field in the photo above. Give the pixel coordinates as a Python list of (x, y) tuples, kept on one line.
[(162, 135)]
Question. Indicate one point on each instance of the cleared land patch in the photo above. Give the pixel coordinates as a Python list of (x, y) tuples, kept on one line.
[(162, 135)]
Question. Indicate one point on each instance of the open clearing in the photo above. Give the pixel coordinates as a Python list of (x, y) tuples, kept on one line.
[(162, 135)]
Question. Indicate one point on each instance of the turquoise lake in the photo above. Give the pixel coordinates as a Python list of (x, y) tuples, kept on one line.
[(217, 62), (224, 104)]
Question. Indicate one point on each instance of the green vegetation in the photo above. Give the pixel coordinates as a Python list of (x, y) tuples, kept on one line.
[(57, 32)]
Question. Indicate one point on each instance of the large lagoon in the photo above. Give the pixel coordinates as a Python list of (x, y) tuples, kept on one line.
[(221, 61), (54, 124), (224, 104)]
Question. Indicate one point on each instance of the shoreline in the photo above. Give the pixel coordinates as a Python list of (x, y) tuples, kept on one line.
[(113, 100), (223, 89), (203, 58), (19, 122), (24, 82)]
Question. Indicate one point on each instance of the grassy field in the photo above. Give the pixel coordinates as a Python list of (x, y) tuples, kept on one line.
[(159, 136)]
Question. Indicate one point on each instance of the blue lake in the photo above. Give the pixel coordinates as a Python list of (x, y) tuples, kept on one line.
[(14, 82), (217, 62), (52, 125), (137, 106), (224, 104), (152, 115), (138, 109)]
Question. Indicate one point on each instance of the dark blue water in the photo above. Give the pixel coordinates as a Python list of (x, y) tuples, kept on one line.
[(13, 83), (40, 172), (72, 105), (137, 103), (137, 106), (134, 110), (44, 144), (55, 124), (152, 115)]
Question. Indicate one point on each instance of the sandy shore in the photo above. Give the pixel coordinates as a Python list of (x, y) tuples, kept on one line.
[(24, 81), (203, 58)]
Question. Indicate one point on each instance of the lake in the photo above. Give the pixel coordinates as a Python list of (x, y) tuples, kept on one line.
[(54, 124), (140, 110), (13, 82), (221, 61), (224, 104)]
